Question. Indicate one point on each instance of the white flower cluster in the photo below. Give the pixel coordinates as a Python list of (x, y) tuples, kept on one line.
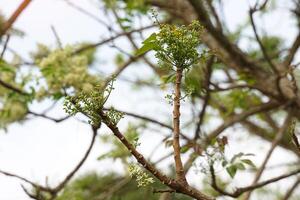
[(64, 70)]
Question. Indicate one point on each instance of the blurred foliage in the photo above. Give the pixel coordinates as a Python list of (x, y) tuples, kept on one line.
[(117, 150), (13, 106), (112, 186), (63, 70)]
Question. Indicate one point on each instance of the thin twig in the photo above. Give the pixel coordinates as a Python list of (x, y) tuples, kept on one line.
[(239, 191), (5, 46), (57, 38), (240, 117), (87, 13), (206, 97), (48, 117), (274, 144), (263, 49), (290, 191), (78, 166), (91, 46)]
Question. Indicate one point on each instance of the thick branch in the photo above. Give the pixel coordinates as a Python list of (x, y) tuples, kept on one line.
[(14, 16)]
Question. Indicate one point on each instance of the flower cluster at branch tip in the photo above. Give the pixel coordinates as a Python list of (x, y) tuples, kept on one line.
[(142, 178), (178, 45), (91, 104)]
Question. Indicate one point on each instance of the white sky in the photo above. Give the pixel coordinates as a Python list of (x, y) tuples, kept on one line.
[(40, 148)]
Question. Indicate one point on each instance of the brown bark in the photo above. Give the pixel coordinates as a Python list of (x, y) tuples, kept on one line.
[(14, 16), (180, 175)]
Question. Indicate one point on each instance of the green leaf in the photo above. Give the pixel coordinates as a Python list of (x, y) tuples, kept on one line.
[(248, 162), (149, 44), (6, 68), (236, 156), (150, 39), (240, 166), (231, 170), (168, 78), (184, 149), (145, 48), (224, 163)]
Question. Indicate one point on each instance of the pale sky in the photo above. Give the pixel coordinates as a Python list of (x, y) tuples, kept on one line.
[(39, 148)]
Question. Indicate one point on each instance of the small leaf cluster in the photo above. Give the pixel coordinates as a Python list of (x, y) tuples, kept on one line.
[(89, 103), (238, 162), (142, 178)]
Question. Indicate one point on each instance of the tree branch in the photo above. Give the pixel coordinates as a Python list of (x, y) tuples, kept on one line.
[(180, 175), (7, 25), (60, 186), (289, 193), (240, 117), (274, 144), (263, 49), (239, 191), (292, 51), (185, 189)]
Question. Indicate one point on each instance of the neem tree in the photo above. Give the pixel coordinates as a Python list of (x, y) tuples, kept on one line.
[(202, 62)]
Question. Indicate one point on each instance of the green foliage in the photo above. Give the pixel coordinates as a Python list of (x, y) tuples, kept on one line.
[(148, 44), (273, 46), (207, 189), (238, 162), (90, 103), (175, 45), (119, 60), (13, 106), (194, 80), (12, 109), (112, 186), (235, 99), (130, 6)]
